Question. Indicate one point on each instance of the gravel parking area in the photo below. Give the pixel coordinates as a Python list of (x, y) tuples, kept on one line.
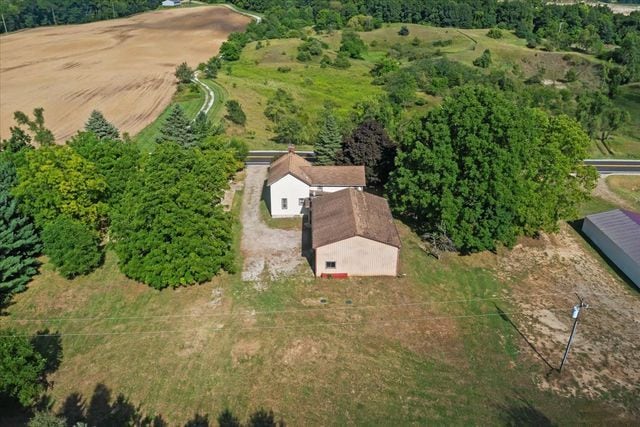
[(268, 252)]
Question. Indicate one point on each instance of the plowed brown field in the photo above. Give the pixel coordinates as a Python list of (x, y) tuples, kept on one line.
[(122, 67)]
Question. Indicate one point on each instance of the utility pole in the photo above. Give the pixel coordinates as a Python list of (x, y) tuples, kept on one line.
[(576, 316), (53, 13)]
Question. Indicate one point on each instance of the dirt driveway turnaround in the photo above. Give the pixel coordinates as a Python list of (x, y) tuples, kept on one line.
[(268, 252)]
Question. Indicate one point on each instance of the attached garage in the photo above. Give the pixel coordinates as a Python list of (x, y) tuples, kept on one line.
[(617, 234), (353, 234)]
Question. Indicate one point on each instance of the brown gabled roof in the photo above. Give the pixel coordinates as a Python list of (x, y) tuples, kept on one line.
[(340, 176), (349, 213), (290, 163)]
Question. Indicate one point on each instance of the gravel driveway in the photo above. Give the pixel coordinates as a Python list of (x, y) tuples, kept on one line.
[(268, 252)]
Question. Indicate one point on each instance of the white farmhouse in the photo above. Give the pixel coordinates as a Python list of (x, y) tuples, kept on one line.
[(293, 180), (171, 3), (353, 234)]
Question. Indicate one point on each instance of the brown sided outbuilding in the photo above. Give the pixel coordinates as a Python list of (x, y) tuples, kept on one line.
[(353, 234)]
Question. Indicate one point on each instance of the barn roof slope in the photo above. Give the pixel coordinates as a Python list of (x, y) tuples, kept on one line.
[(338, 176), (349, 213), (622, 227)]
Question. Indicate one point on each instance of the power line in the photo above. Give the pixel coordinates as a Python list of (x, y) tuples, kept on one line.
[(252, 328), (289, 311)]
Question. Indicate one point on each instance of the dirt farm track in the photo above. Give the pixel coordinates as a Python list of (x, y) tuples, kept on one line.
[(122, 67)]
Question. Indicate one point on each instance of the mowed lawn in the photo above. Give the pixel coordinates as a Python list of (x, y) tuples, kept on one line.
[(427, 347)]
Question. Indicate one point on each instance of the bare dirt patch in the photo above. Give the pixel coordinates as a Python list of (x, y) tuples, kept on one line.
[(268, 253), (603, 359), (123, 67)]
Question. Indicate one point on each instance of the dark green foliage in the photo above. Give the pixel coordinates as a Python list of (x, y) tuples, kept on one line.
[(72, 247), (212, 67), (329, 138), (570, 76), (18, 141), (384, 66), (495, 33), (486, 170), (101, 127), (280, 105), (289, 130), (401, 87), (177, 128), (369, 145), (184, 73), (404, 31), (19, 14), (19, 240), (232, 48), (202, 127), (310, 48), (352, 45), (47, 419), (22, 369), (599, 117), (170, 229), (115, 160), (282, 110), (341, 61), (484, 60), (235, 113), (56, 180), (41, 135)]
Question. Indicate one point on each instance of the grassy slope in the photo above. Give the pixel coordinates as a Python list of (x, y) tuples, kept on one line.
[(255, 77), (627, 187)]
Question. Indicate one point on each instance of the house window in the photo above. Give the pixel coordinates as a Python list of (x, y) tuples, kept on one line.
[(300, 202), (284, 205), (330, 264)]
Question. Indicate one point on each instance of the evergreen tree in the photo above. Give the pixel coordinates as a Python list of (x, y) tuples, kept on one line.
[(101, 127), (19, 241), (329, 138), (235, 113), (177, 128), (484, 60)]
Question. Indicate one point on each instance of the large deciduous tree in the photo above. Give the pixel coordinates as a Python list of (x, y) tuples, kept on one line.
[(486, 169), (101, 127), (184, 73), (177, 128), (170, 229), (369, 145), (56, 180), (19, 240), (41, 135), (114, 159), (329, 138), (72, 246)]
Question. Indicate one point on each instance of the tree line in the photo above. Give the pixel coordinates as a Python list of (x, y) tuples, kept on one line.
[(18, 14), (159, 211)]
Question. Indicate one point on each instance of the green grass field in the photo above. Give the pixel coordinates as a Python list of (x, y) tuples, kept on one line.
[(627, 187), (408, 350)]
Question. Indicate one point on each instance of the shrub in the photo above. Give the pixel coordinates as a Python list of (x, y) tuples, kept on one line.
[(184, 73), (484, 60), (284, 69), (404, 31), (571, 75), (235, 113), (72, 247), (342, 62), (495, 33)]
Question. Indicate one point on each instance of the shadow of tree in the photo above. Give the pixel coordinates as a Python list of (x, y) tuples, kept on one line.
[(520, 412), (49, 345), (103, 410)]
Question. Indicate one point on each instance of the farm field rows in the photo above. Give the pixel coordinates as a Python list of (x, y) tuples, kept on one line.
[(122, 67)]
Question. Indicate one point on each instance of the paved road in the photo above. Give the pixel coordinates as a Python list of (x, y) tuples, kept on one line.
[(604, 166), (612, 166)]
